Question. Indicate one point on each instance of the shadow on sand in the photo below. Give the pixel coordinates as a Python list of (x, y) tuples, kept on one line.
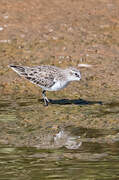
[(73, 101)]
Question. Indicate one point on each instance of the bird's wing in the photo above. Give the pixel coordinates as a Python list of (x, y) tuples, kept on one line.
[(40, 77)]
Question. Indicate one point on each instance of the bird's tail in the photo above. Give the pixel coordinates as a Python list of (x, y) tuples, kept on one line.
[(18, 69)]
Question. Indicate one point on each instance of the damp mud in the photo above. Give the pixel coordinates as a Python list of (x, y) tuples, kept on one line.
[(61, 34)]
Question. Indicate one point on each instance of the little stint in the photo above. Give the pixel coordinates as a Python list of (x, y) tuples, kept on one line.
[(49, 78)]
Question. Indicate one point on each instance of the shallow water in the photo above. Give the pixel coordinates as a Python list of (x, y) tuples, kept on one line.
[(34, 144), (94, 162)]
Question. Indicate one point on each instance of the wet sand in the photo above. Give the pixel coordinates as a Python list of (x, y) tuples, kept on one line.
[(63, 34)]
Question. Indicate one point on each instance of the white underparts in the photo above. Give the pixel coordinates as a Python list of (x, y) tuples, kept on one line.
[(57, 86)]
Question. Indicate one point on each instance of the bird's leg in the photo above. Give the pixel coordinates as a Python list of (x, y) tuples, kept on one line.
[(46, 101)]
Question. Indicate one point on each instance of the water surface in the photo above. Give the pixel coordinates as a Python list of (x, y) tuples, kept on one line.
[(34, 144)]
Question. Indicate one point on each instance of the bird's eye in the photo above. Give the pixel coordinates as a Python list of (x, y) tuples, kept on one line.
[(76, 75)]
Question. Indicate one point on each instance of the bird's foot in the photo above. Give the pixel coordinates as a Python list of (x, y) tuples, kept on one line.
[(46, 101)]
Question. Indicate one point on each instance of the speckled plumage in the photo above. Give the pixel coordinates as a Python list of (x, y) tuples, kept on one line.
[(49, 78)]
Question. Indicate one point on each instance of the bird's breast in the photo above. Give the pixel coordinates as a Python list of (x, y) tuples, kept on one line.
[(59, 85)]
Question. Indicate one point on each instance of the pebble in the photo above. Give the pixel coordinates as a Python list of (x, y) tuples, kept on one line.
[(1, 28), (6, 17)]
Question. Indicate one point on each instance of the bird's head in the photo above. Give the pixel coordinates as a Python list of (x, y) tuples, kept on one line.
[(74, 74)]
